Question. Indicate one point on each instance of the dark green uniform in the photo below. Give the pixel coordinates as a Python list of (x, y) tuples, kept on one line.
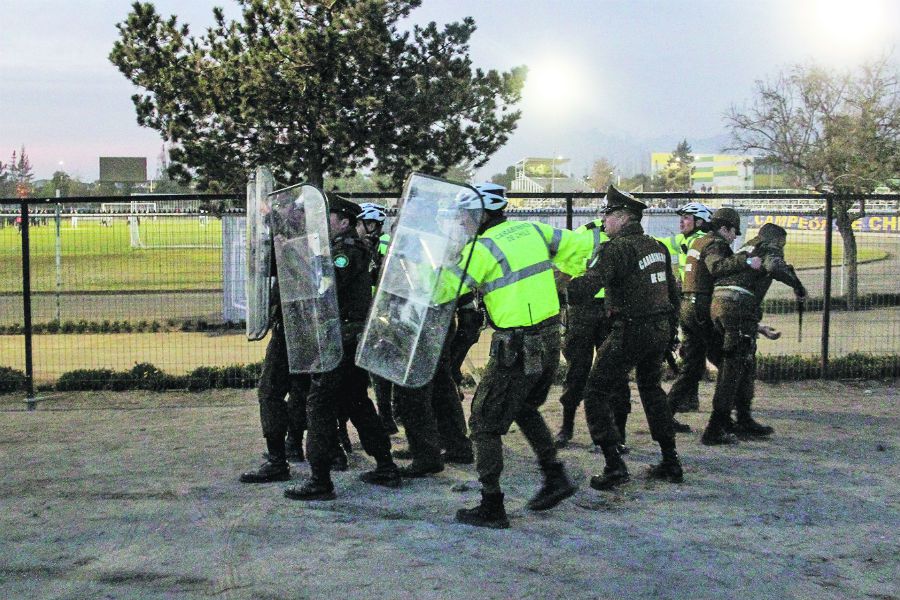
[(277, 416), (433, 419), (383, 388), (587, 327), (641, 296), (344, 390), (708, 258), (469, 321), (736, 313)]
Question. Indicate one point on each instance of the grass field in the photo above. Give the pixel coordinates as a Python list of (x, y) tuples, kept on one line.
[(100, 259)]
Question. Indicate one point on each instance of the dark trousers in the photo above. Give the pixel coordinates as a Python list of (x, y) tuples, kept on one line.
[(432, 415), (276, 416), (638, 344), (736, 318), (587, 327), (468, 331), (517, 379), (343, 390), (699, 341)]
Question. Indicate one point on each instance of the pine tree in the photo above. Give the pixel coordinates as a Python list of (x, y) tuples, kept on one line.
[(314, 89)]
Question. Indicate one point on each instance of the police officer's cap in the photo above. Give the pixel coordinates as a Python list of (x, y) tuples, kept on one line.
[(617, 200), (727, 217), (344, 207)]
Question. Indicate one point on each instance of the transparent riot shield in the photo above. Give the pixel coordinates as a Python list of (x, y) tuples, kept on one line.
[(419, 284), (259, 253), (312, 324)]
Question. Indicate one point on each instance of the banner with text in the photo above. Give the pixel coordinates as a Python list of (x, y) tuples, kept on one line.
[(869, 224)]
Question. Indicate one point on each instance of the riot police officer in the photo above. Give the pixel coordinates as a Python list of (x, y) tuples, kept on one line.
[(345, 387), (736, 312), (370, 227), (277, 416), (641, 299), (512, 265)]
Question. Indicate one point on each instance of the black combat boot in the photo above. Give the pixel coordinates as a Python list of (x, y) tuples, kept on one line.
[(680, 427), (490, 513), (276, 468), (317, 487), (614, 474), (564, 436), (689, 404), (669, 469), (294, 448), (747, 427), (385, 473), (466, 457), (557, 487), (421, 469), (716, 434)]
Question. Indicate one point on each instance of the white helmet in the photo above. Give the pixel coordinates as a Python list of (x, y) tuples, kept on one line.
[(695, 209), (493, 194), (371, 212)]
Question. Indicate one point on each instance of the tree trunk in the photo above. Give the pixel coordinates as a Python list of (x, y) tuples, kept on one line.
[(845, 228)]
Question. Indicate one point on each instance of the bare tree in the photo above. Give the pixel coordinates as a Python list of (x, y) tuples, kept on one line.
[(837, 132), (601, 174)]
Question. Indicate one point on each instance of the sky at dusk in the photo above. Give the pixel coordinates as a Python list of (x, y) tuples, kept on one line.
[(614, 79)]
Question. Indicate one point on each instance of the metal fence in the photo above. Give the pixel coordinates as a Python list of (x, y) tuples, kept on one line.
[(106, 284)]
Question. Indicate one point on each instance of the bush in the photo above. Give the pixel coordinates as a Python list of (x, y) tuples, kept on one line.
[(146, 376), (852, 366), (11, 380), (85, 379), (68, 327), (52, 327)]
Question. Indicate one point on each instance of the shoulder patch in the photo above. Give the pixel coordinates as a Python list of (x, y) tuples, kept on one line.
[(341, 261)]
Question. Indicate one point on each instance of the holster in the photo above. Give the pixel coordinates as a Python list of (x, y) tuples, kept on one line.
[(506, 346)]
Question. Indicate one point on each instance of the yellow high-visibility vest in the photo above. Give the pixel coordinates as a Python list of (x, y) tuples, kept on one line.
[(512, 265)]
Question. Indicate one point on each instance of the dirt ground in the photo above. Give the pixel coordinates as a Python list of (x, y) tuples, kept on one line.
[(136, 496)]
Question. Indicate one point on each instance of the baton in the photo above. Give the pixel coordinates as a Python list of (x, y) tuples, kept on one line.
[(800, 306)]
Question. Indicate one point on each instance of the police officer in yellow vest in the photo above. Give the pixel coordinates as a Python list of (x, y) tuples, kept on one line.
[(587, 327), (641, 300), (693, 219), (512, 264)]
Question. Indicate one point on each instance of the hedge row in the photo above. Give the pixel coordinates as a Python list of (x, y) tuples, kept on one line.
[(82, 326), (145, 376), (852, 366)]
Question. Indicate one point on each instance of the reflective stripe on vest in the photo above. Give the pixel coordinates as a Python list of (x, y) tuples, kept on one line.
[(516, 273), (508, 276)]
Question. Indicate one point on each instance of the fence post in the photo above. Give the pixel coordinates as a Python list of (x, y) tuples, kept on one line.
[(26, 308), (569, 212), (826, 300)]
